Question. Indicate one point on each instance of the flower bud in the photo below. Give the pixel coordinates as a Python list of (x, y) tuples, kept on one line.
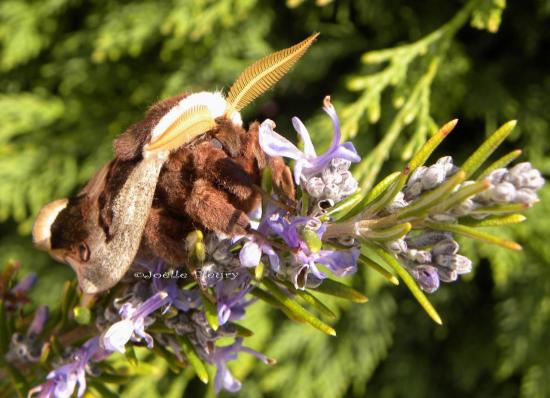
[(41, 316), (413, 191), (526, 196), (24, 285), (504, 192), (457, 262), (447, 163), (200, 251), (332, 191), (497, 176), (312, 240), (434, 176), (315, 186), (428, 238), (331, 177), (416, 175), (398, 203), (398, 246), (445, 260), (192, 238), (524, 176), (464, 207), (82, 315), (340, 164), (420, 256), (447, 274), (533, 180), (463, 264), (414, 184), (349, 185), (427, 277), (206, 271), (519, 169), (446, 246)]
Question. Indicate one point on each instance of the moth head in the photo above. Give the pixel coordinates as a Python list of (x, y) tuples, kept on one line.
[(197, 113), (60, 230)]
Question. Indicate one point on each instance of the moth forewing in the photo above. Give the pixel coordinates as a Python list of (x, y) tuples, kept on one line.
[(110, 259)]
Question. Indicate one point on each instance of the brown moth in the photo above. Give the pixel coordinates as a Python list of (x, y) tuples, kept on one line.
[(189, 164)]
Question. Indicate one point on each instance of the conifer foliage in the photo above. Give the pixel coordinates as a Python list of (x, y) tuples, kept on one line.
[(75, 74)]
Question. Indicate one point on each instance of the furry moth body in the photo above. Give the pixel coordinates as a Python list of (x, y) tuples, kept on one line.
[(188, 164)]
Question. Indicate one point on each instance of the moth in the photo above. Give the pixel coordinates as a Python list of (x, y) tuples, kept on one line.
[(188, 164)]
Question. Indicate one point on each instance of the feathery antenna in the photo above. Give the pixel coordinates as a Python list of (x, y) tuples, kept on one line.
[(190, 124), (264, 73)]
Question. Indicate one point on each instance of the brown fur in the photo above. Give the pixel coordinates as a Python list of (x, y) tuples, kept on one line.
[(207, 184)]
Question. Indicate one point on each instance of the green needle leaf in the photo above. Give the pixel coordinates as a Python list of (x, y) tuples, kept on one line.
[(101, 390), (385, 234), (427, 149), (337, 289), (475, 234), (501, 209), (487, 148), (259, 271), (241, 330), (312, 300), (461, 195), (18, 381), (130, 355), (372, 195), (418, 294), (429, 199), (113, 378), (364, 260), (296, 309), (341, 208), (269, 299), (379, 203), (173, 362), (502, 162), (497, 221), (194, 359), (211, 312)]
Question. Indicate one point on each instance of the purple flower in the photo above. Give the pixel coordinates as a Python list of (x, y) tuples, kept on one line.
[(41, 316), (24, 286), (307, 162), (230, 297), (251, 252), (339, 262), (182, 299), (221, 355), (63, 380), (132, 324)]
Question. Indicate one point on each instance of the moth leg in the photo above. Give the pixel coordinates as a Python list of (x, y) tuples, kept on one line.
[(223, 172), (281, 175), (212, 208)]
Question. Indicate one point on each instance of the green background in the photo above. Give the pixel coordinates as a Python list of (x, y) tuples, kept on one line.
[(74, 74)]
